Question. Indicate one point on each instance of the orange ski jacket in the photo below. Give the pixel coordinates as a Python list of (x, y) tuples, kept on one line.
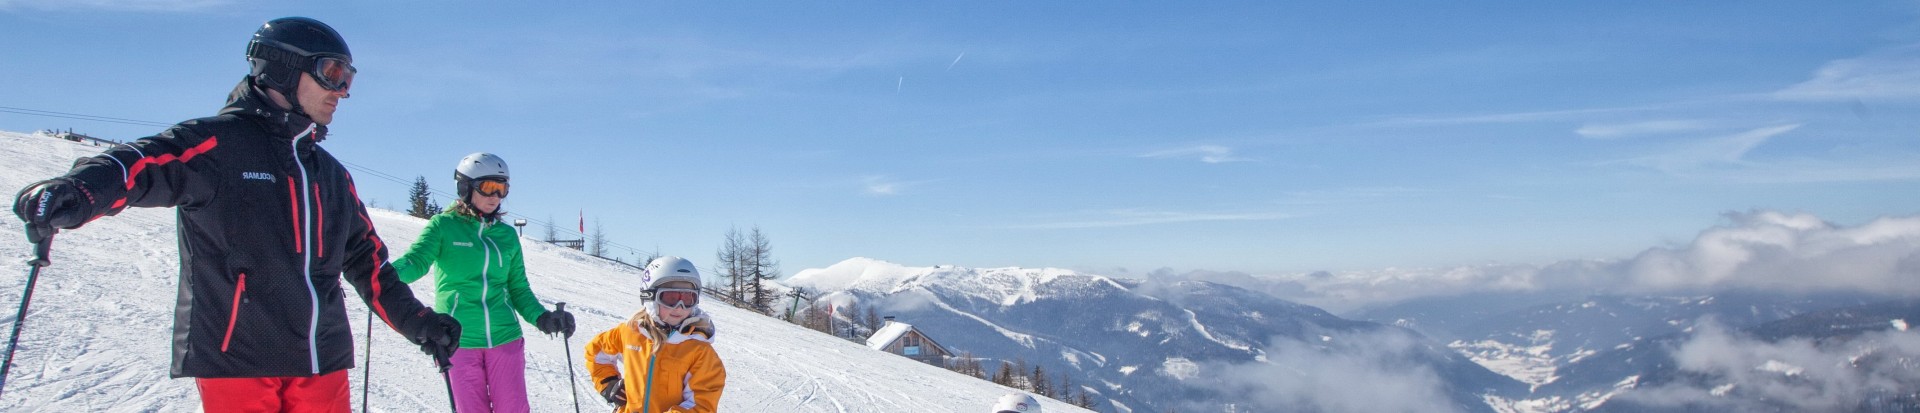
[(663, 370)]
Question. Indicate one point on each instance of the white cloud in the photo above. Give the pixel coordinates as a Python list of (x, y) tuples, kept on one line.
[(1760, 250), (1740, 373), (884, 186), (1891, 75), (1205, 153), (1791, 252), (1367, 372), (1136, 217), (1620, 130)]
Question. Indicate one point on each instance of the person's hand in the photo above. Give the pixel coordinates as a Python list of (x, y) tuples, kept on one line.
[(50, 205), (437, 334), (558, 321), (615, 390)]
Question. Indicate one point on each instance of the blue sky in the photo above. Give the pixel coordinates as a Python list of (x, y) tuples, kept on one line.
[(1117, 138)]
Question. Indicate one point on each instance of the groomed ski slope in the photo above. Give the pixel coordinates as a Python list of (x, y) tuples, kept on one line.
[(96, 337)]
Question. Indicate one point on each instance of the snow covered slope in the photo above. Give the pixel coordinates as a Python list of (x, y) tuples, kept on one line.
[(96, 338)]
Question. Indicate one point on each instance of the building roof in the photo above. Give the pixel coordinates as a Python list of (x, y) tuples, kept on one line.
[(887, 334)]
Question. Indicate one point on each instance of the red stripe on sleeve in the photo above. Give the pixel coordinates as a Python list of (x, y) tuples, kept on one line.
[(373, 275), (163, 159)]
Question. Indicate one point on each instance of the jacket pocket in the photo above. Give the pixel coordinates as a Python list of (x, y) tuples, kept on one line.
[(233, 317)]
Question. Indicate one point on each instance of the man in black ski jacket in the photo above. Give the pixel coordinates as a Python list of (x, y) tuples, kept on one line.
[(269, 223)]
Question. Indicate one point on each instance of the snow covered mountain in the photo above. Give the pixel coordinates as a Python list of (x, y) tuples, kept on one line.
[(1531, 344), (1578, 353), (1858, 358), (1187, 345), (96, 337)]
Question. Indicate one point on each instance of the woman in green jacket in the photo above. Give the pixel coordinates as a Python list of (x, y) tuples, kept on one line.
[(481, 280)]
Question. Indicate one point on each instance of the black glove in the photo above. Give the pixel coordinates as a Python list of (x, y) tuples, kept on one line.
[(615, 390), (437, 334), (59, 203), (555, 322)]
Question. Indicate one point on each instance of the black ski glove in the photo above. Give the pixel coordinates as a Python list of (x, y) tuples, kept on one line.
[(437, 334), (555, 322), (45, 206), (615, 391)]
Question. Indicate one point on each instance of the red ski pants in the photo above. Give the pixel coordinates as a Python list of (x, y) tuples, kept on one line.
[(326, 393)]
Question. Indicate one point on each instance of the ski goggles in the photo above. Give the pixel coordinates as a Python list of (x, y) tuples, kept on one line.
[(332, 73), (677, 297), (491, 187)]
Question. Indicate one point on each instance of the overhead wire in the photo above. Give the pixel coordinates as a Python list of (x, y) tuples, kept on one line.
[(366, 170)]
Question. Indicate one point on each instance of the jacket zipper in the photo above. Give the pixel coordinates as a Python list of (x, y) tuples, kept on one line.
[(234, 316), (306, 221), (486, 257)]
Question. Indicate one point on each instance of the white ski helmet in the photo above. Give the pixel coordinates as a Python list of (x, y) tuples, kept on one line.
[(1017, 403), (476, 166), (669, 269)]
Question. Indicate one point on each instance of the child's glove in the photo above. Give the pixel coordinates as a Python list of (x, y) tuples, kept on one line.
[(615, 391)]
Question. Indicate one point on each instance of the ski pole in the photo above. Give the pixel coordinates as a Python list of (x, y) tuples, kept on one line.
[(366, 373), (567, 344), (449, 380), (447, 377), (40, 252)]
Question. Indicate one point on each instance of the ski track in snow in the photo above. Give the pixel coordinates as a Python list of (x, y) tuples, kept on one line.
[(97, 337), (1194, 319)]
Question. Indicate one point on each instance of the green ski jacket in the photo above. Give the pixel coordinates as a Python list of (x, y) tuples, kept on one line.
[(479, 277)]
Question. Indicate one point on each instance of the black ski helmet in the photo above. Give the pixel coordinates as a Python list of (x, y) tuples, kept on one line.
[(286, 47)]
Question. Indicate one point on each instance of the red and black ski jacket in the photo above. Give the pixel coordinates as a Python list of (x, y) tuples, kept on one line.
[(268, 225)]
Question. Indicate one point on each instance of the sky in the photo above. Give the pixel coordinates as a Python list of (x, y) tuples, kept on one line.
[(1120, 139)]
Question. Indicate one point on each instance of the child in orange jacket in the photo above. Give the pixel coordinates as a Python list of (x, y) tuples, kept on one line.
[(662, 359)]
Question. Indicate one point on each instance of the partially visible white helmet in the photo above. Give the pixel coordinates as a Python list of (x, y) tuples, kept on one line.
[(669, 269), (476, 166), (1017, 403)]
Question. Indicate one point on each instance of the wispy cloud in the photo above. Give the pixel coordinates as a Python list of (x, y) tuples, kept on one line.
[(956, 60), (1759, 250), (115, 5), (1725, 150), (1890, 75), (1514, 117), (1205, 153), (882, 185), (1621, 130), (1136, 217), (1362, 372)]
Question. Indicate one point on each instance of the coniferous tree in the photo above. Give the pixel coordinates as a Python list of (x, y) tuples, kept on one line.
[(420, 199), (1004, 376), (1064, 389)]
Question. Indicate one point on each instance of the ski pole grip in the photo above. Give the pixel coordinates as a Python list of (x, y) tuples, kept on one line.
[(40, 251)]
